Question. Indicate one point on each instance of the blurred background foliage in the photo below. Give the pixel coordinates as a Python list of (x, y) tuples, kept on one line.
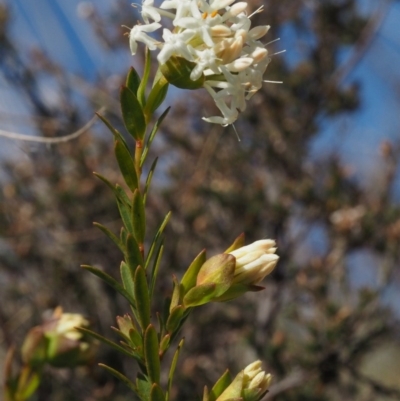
[(327, 324)]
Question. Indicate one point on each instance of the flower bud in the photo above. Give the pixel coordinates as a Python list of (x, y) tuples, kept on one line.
[(254, 262), (250, 384), (57, 342)]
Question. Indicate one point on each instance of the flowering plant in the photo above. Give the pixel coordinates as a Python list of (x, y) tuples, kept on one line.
[(211, 45)]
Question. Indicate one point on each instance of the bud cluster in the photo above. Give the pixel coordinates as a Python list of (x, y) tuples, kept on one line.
[(215, 40)]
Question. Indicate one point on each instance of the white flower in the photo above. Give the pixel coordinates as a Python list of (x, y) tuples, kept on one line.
[(175, 44), (149, 11), (255, 261), (217, 36), (138, 34)]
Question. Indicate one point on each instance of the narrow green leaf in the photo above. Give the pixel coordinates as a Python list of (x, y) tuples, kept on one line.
[(121, 195), (136, 340), (156, 238), (177, 294), (220, 386), (148, 180), (189, 278), (133, 255), (125, 213), (151, 349), (156, 267), (138, 217), (121, 377), (156, 96), (104, 179), (172, 368), (104, 340), (108, 124), (127, 279), (234, 390), (199, 295), (110, 281), (181, 323), (133, 80), (152, 136), (164, 344), (132, 114), (156, 393), (238, 243), (123, 235), (115, 132), (144, 387), (126, 165), (142, 298), (28, 383), (111, 235), (143, 84), (175, 318)]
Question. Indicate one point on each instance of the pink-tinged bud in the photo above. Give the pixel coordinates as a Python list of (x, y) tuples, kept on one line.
[(254, 262)]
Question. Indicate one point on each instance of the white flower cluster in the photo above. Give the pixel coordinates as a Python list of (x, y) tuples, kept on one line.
[(216, 36)]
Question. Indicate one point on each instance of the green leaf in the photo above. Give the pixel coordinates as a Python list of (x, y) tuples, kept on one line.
[(156, 267), (142, 298), (126, 165), (122, 196), (28, 382), (148, 180), (108, 125), (177, 72), (136, 340), (138, 217), (104, 179), (133, 255), (156, 96), (143, 84), (121, 377), (175, 319), (111, 235), (157, 393), (189, 278), (127, 279), (234, 390), (156, 238), (172, 368), (152, 136), (110, 281), (144, 387), (132, 114), (104, 340), (125, 213), (220, 386), (199, 295), (177, 294), (219, 269), (151, 349), (164, 344), (133, 80), (238, 243)]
